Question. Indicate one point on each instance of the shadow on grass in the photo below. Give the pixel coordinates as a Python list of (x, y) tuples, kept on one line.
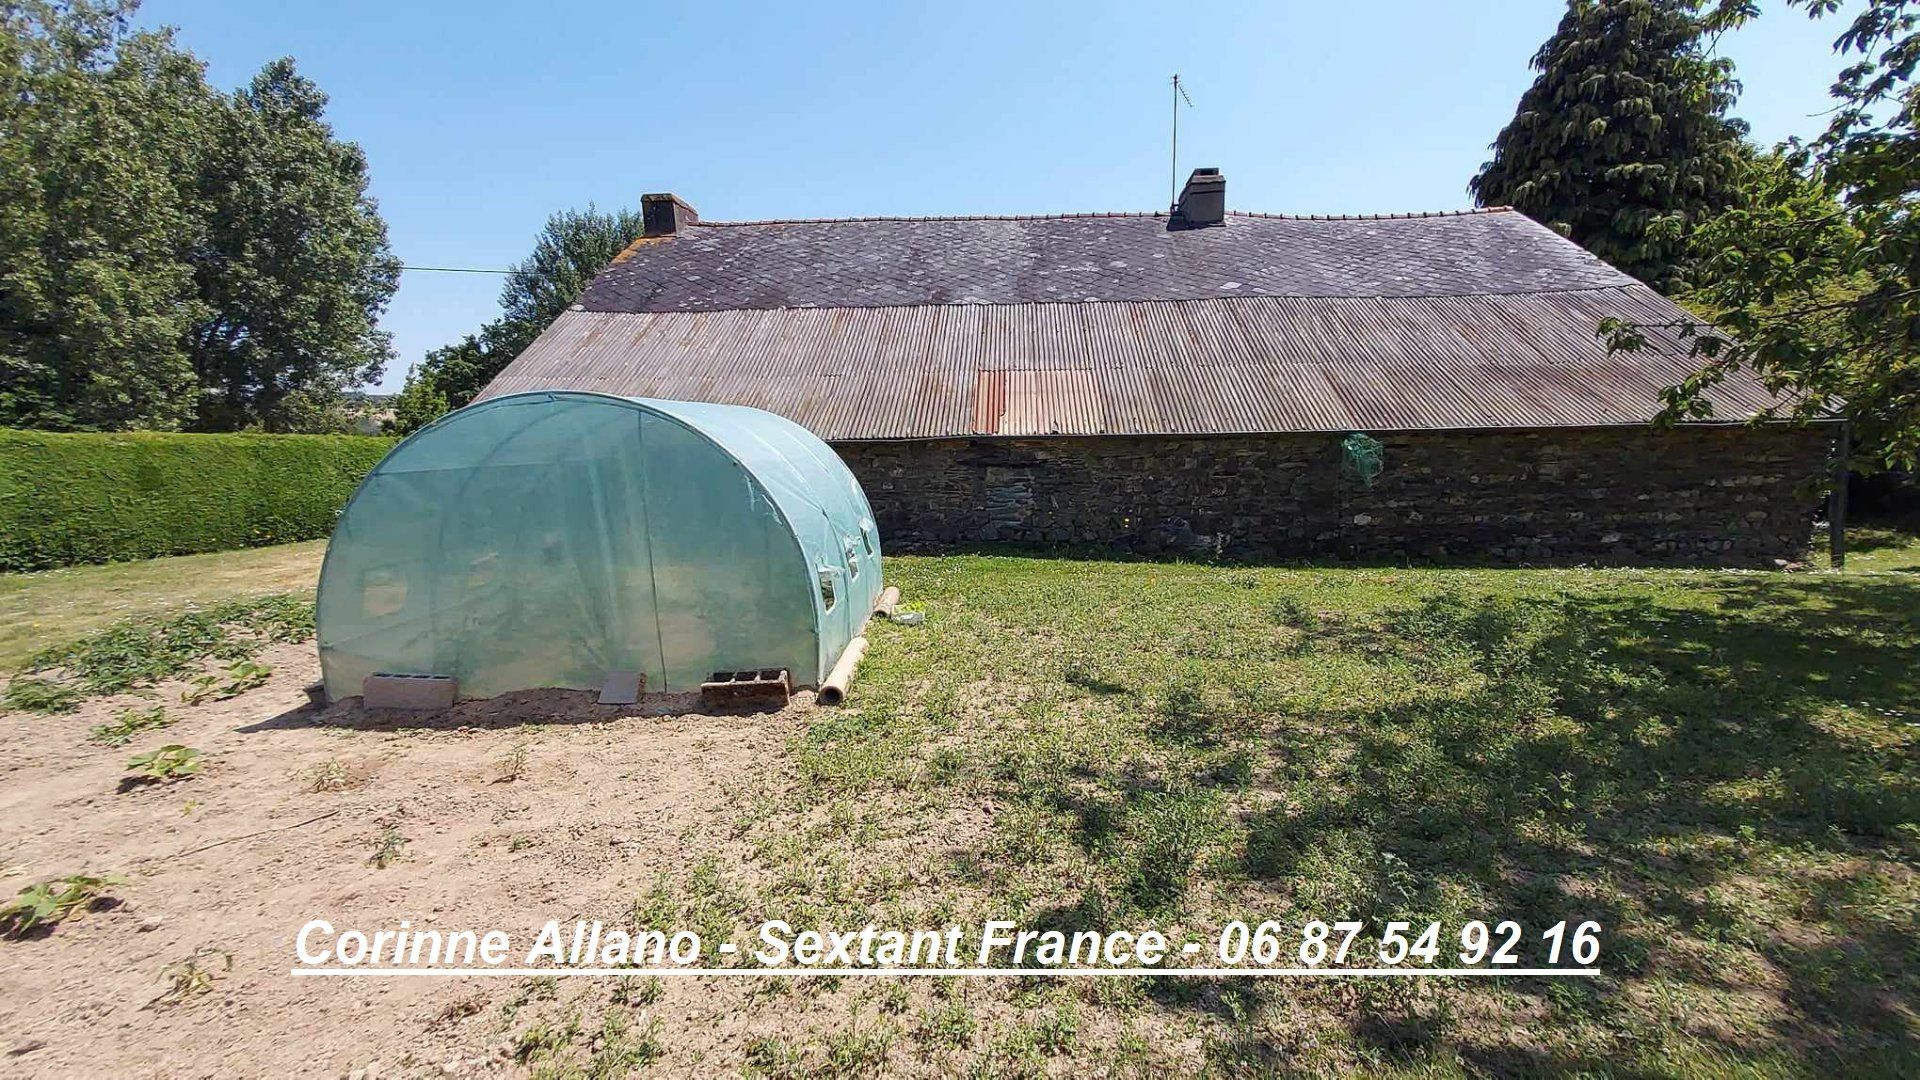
[(1697, 739), (1671, 772)]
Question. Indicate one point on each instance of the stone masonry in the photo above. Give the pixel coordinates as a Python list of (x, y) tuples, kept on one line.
[(1710, 496)]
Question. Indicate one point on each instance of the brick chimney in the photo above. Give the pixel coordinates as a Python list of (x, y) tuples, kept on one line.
[(1202, 202), (663, 214)]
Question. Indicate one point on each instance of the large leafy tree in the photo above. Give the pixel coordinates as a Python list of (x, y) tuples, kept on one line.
[(169, 255), (100, 134), (573, 247), (293, 269), (1813, 282), (1625, 124)]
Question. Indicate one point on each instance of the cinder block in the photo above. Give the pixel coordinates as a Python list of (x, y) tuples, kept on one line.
[(729, 686), (386, 690)]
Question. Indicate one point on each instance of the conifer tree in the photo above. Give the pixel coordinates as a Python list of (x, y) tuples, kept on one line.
[(1626, 124)]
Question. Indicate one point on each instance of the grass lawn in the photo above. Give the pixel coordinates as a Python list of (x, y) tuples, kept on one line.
[(55, 606), (1880, 545), (1717, 767)]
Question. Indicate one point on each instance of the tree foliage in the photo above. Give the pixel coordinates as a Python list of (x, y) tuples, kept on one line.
[(1813, 281), (171, 256), (572, 248), (99, 131), (293, 269), (1626, 124)]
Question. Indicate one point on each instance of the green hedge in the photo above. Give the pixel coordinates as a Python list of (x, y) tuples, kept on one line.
[(87, 498)]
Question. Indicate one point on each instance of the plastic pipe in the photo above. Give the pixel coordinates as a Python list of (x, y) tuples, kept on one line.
[(834, 690), (889, 599)]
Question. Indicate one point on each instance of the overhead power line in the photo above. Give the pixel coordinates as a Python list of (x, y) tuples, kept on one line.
[(452, 270)]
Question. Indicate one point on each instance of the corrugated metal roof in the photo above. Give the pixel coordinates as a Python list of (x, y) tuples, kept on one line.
[(1235, 364)]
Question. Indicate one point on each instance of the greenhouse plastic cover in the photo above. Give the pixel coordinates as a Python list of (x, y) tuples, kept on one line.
[(549, 538)]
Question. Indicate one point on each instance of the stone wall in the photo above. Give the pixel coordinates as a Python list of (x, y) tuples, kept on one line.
[(1724, 496)]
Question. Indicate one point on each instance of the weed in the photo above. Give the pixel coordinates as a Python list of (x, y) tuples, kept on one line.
[(329, 775), (621, 1049), (193, 975), (946, 765), (519, 843), (512, 765), (1116, 991), (1164, 836), (1295, 612), (170, 762), (948, 1026), (708, 905), (29, 694), (1014, 1056), (545, 1039), (860, 1050), (1054, 1033), (638, 992), (239, 677), (389, 848), (892, 998), (1183, 704), (49, 903), (145, 650), (131, 722), (774, 1058), (538, 988)]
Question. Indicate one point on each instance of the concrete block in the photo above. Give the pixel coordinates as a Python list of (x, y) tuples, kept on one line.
[(387, 690), (724, 687)]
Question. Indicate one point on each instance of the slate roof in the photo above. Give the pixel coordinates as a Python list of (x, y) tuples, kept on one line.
[(905, 328), (895, 262)]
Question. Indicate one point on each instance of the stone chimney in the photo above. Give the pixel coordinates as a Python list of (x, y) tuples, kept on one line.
[(1202, 202), (663, 214)]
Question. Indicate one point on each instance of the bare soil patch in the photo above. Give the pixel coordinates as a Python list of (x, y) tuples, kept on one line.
[(239, 857)]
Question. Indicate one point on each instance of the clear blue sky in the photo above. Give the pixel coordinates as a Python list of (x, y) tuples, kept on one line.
[(479, 119)]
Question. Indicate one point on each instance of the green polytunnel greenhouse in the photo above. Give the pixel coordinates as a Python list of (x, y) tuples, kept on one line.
[(550, 539)]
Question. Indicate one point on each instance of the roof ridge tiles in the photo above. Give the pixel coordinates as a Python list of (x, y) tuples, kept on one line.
[(1097, 214)]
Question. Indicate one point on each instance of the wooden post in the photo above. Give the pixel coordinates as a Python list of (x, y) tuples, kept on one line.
[(1837, 499)]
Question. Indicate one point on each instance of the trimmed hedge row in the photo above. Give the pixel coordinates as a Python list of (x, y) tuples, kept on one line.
[(88, 498)]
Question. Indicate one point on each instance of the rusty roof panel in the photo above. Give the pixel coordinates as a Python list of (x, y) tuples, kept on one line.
[(1235, 364), (1051, 401)]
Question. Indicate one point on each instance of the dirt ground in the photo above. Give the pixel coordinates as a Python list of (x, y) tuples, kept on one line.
[(235, 859)]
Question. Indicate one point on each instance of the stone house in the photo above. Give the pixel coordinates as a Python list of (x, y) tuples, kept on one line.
[(1194, 382)]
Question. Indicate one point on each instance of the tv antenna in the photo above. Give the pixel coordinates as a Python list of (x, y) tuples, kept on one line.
[(1173, 166)]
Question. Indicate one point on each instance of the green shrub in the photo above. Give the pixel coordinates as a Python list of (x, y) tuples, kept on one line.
[(93, 497)]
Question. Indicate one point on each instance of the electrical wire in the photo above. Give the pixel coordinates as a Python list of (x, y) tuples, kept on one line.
[(452, 270)]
